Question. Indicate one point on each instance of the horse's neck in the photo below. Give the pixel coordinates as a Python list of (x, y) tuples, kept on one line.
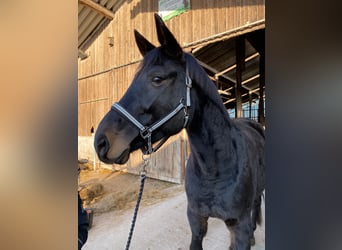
[(211, 132), (210, 136)]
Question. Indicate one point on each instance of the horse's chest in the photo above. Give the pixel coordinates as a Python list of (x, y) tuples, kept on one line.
[(215, 199)]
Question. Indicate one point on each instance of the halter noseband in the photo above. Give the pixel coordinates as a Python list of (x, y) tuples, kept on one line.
[(146, 131)]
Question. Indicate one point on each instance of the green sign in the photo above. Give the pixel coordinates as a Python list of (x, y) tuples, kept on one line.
[(171, 8)]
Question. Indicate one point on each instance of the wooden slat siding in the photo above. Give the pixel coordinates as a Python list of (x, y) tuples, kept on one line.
[(215, 13), (103, 86), (85, 112), (101, 106), (224, 12), (120, 82), (118, 47), (255, 9), (220, 12), (209, 15), (106, 47), (245, 4), (188, 26), (81, 111), (92, 99), (148, 18), (116, 85), (251, 11), (195, 28), (82, 91), (248, 13), (238, 16), (111, 53), (244, 12), (90, 89), (234, 18), (205, 25)]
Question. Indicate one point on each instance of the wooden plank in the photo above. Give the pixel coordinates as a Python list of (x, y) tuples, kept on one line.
[(98, 8)]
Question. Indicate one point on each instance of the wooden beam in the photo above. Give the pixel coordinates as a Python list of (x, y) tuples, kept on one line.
[(234, 65), (231, 80), (99, 8), (250, 79), (82, 55), (260, 24), (214, 71), (243, 95), (240, 66), (223, 92), (254, 95)]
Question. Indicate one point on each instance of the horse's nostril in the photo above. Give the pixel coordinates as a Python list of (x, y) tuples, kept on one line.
[(102, 146)]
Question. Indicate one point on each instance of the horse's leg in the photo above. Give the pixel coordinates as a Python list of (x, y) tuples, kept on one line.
[(230, 223), (199, 226), (240, 233), (256, 217)]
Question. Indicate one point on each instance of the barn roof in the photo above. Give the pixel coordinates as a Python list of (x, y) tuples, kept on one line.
[(219, 61), (93, 17)]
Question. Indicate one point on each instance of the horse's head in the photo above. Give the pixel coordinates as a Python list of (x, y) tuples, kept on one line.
[(152, 108)]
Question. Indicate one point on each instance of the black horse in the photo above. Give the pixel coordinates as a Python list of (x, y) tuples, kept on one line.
[(225, 172)]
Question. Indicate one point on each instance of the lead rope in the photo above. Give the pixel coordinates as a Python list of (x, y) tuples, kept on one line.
[(146, 160)]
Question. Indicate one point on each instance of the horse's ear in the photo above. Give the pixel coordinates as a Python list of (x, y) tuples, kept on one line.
[(167, 41), (143, 45)]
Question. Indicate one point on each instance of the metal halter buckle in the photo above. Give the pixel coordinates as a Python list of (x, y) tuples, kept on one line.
[(145, 133)]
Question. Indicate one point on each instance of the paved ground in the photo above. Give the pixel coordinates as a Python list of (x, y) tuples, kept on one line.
[(162, 226)]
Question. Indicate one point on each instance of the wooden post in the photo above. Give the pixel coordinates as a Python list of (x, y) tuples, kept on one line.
[(257, 39), (261, 114), (240, 66), (250, 104)]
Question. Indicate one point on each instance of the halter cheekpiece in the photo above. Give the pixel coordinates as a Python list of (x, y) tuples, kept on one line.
[(146, 131)]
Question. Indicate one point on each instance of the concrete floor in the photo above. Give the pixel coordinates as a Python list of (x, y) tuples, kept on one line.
[(162, 226)]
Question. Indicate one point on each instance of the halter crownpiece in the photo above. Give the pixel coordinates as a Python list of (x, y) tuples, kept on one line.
[(146, 131)]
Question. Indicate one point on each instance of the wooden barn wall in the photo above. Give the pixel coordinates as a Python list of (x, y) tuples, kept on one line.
[(167, 164), (106, 74), (97, 93), (205, 19)]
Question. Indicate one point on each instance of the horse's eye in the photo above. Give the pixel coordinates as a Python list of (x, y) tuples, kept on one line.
[(157, 80)]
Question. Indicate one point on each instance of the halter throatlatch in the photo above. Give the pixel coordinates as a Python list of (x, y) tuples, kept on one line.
[(146, 131)]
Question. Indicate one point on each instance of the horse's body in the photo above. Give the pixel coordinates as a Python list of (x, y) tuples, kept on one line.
[(225, 171)]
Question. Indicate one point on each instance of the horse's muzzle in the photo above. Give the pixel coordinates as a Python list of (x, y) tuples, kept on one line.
[(102, 147)]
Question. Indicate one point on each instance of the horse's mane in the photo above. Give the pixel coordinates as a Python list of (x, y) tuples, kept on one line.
[(203, 82)]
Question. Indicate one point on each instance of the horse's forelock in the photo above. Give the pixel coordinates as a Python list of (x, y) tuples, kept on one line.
[(154, 57)]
